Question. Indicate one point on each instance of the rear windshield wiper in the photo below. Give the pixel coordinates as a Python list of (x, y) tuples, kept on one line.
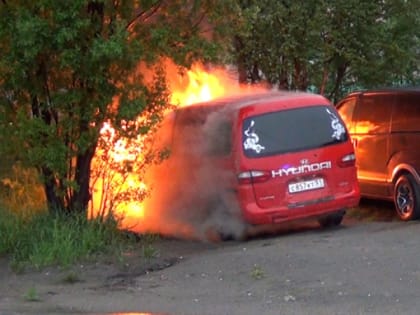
[(333, 141)]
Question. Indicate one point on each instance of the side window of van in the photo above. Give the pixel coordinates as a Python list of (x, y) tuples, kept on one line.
[(187, 134), (406, 116), (218, 134), (219, 140), (202, 130), (373, 114)]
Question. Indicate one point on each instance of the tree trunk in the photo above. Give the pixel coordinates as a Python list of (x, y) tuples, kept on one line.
[(341, 71), (300, 76), (323, 86), (240, 60), (82, 195), (54, 203), (283, 75)]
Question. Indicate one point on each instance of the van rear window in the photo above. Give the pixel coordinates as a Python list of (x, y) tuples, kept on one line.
[(292, 130)]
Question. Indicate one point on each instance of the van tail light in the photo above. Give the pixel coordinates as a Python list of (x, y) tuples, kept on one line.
[(249, 177), (347, 160)]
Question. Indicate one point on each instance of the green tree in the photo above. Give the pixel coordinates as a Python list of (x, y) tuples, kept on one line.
[(66, 67), (330, 46)]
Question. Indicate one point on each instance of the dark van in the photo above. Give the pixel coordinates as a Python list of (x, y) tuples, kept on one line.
[(385, 130), (264, 158)]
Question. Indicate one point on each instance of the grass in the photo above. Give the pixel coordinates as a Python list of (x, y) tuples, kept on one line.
[(21, 190), (32, 295), (45, 239), (373, 210), (257, 272), (148, 251), (32, 237), (71, 278)]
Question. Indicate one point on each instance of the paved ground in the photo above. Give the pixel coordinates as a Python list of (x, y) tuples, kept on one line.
[(370, 265)]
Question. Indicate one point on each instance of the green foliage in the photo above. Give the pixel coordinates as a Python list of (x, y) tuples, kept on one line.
[(47, 239), (257, 272), (66, 68), (32, 295), (329, 47), (148, 251)]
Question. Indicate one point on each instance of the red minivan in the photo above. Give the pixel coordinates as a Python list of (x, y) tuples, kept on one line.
[(258, 159)]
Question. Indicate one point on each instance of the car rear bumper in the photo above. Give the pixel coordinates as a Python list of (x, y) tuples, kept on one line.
[(255, 215)]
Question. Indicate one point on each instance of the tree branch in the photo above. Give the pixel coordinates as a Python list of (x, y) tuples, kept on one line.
[(153, 9)]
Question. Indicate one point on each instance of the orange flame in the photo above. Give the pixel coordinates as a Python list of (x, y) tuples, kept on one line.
[(197, 85), (202, 86)]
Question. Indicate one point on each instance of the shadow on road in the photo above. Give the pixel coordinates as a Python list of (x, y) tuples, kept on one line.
[(367, 211), (373, 211)]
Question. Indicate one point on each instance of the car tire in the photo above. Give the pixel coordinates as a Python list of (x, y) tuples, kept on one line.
[(407, 198), (331, 220)]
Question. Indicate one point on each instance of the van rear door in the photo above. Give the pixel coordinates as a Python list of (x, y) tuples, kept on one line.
[(296, 156)]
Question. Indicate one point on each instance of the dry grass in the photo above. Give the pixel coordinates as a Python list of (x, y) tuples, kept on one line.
[(21, 191), (373, 210)]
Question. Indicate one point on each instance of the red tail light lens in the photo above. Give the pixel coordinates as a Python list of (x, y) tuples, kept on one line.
[(249, 177), (347, 160)]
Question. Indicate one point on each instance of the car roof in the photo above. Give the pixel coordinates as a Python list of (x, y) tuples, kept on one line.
[(271, 99), (411, 89)]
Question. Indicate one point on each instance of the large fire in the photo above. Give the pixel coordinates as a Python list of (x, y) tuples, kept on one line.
[(201, 86), (198, 84)]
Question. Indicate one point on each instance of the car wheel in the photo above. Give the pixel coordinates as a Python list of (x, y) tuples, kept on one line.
[(407, 198), (331, 220)]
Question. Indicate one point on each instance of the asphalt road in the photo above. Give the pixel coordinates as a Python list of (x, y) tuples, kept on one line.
[(370, 265)]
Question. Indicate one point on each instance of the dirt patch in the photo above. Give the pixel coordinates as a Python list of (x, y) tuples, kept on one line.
[(28, 292)]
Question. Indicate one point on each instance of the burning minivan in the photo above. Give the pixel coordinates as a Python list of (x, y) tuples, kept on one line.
[(259, 159)]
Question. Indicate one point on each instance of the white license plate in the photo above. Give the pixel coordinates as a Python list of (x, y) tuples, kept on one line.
[(306, 185)]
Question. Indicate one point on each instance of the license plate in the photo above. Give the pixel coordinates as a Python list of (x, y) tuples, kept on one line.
[(306, 185)]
